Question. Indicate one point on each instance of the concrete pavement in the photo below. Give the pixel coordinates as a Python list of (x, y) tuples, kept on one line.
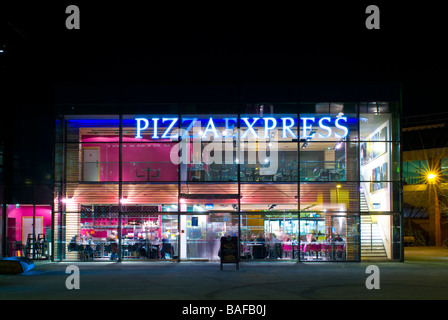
[(423, 276)]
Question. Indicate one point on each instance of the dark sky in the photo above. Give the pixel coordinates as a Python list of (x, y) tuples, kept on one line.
[(231, 43)]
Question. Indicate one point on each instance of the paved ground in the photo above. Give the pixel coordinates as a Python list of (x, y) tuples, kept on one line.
[(423, 276)]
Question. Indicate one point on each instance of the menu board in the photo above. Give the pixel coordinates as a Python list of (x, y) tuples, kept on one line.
[(229, 250)]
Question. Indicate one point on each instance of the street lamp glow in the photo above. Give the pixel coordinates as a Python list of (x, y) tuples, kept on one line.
[(431, 177)]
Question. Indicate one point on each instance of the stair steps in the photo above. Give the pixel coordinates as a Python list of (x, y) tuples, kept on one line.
[(372, 245)]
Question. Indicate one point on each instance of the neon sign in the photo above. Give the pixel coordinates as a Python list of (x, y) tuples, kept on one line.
[(336, 127)]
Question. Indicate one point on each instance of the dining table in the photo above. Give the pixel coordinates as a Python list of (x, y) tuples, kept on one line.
[(331, 247)]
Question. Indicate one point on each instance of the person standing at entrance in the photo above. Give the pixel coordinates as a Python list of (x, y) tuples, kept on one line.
[(275, 248)]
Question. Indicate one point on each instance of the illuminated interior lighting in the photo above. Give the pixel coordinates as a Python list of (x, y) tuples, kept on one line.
[(124, 199), (338, 145), (67, 199)]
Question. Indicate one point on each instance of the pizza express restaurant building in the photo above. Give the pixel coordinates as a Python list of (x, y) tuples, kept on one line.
[(293, 181)]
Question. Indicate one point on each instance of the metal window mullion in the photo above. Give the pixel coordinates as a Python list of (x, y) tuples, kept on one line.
[(120, 187)]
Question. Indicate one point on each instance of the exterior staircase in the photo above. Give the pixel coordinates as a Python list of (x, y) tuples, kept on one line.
[(372, 245)]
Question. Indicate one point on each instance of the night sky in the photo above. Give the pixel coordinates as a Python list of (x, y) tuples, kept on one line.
[(227, 43)]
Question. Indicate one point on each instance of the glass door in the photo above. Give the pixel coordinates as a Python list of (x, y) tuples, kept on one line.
[(281, 231), (203, 232)]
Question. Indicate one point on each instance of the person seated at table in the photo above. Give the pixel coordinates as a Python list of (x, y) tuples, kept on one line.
[(309, 237), (112, 238), (337, 238), (88, 246), (75, 243)]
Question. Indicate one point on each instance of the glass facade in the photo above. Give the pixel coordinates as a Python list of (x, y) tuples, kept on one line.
[(297, 181)]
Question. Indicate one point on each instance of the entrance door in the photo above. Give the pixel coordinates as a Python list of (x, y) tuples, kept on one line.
[(281, 232), (28, 228), (340, 238), (203, 232), (90, 164)]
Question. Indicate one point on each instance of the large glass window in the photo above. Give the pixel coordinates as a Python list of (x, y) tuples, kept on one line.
[(208, 147), (269, 236), (329, 236), (173, 183), (148, 235), (149, 148)]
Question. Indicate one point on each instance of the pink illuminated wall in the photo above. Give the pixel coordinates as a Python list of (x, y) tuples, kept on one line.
[(138, 156), (15, 219)]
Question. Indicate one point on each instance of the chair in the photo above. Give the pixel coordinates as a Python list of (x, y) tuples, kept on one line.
[(74, 247), (326, 249), (224, 175), (214, 175), (30, 247), (125, 250), (259, 252), (18, 248), (138, 175), (295, 249), (306, 249), (315, 248), (107, 249), (42, 245), (287, 249), (157, 173), (324, 175), (286, 175), (245, 251), (98, 251), (167, 248), (250, 174), (134, 250), (339, 251)]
